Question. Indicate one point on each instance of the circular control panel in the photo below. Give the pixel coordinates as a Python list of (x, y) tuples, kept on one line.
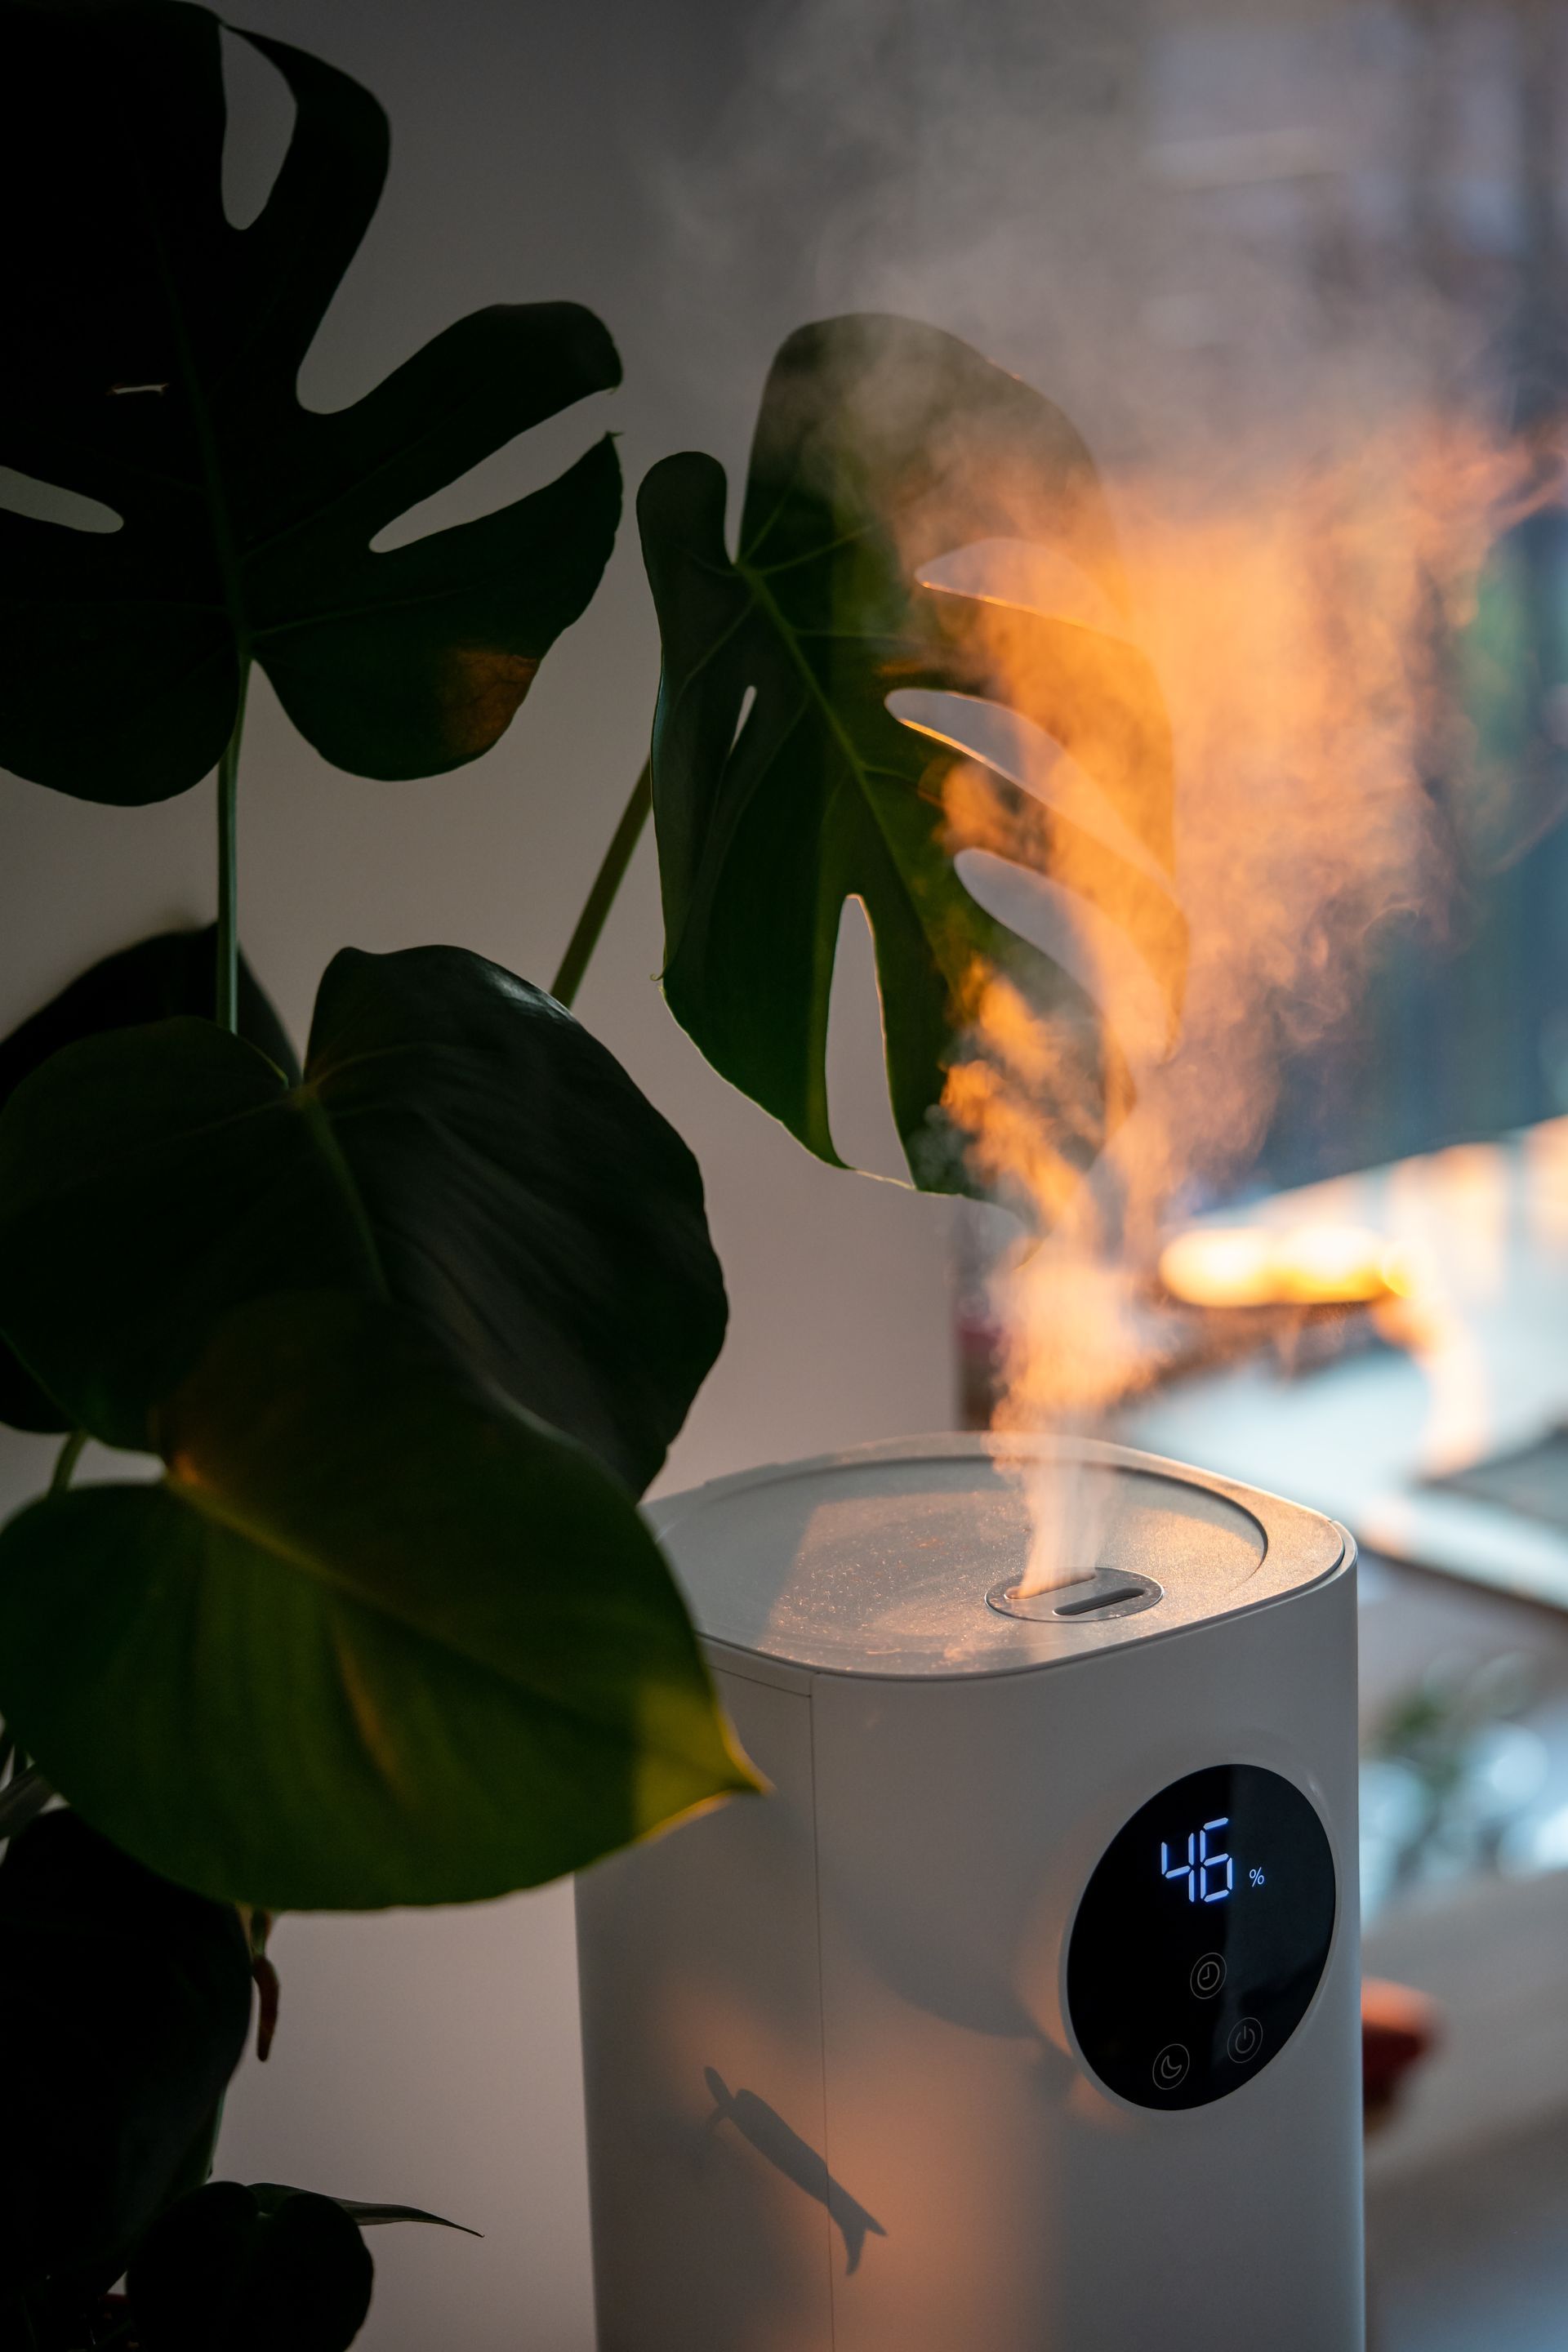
[(1200, 1936)]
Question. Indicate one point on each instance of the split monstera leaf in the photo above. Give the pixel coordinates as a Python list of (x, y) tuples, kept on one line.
[(154, 351), (783, 784)]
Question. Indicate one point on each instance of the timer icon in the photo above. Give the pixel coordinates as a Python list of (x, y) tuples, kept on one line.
[(1207, 1976)]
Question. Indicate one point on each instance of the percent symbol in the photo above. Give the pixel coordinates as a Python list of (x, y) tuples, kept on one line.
[(1255, 1875)]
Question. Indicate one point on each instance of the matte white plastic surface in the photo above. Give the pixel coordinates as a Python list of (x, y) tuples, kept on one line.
[(876, 1561), (834, 2102)]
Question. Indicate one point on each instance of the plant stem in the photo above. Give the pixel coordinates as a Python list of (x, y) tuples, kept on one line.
[(69, 1455), (227, 1010), (606, 882)]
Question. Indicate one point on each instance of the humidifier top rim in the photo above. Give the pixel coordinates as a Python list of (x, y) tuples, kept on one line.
[(904, 1559)]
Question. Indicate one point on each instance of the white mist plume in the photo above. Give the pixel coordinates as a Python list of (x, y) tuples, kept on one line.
[(1173, 231)]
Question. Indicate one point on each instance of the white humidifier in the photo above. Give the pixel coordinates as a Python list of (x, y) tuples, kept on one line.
[(1022, 2014)]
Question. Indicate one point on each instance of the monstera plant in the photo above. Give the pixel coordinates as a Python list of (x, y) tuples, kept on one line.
[(394, 1338)]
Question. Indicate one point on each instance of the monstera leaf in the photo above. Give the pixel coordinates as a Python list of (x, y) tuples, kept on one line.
[(457, 1144), (170, 973), (378, 1637), (783, 785), (153, 351)]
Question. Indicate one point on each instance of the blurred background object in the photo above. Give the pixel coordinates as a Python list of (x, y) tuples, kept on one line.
[(1399, 2027)]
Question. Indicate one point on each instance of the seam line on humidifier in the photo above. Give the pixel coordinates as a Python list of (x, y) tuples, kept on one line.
[(821, 2018)]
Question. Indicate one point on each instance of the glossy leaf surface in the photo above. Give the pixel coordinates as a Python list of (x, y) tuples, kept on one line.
[(458, 1144), (226, 2270), (125, 2003), (378, 1638), (154, 353), (173, 972), (883, 446)]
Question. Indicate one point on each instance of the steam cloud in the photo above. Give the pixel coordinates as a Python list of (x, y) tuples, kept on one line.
[(1169, 230)]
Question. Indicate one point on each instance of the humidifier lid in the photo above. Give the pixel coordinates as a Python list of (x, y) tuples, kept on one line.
[(901, 1559)]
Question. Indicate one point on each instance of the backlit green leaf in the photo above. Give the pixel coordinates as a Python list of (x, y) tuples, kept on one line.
[(883, 446), (378, 1638)]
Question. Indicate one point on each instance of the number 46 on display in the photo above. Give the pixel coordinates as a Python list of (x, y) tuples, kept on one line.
[(1201, 1868)]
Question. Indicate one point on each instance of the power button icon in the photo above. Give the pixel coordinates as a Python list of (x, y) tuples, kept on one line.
[(1246, 2039), (1170, 2066), (1207, 1976)]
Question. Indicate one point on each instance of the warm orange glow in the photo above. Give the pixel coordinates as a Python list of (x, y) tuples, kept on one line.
[(1300, 1266), (1231, 1268), (1295, 618)]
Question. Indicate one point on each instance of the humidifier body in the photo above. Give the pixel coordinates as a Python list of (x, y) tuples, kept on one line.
[(1022, 2014)]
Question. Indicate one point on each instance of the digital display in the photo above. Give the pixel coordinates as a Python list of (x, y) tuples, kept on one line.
[(1200, 1936), (1201, 1871)]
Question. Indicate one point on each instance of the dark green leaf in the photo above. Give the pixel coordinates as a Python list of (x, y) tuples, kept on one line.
[(380, 1637), (170, 973), (881, 447), (173, 972), (154, 351), (224, 2271), (460, 1143), (125, 2003), (271, 2196)]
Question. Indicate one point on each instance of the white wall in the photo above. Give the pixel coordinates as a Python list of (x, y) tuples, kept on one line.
[(433, 2058)]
